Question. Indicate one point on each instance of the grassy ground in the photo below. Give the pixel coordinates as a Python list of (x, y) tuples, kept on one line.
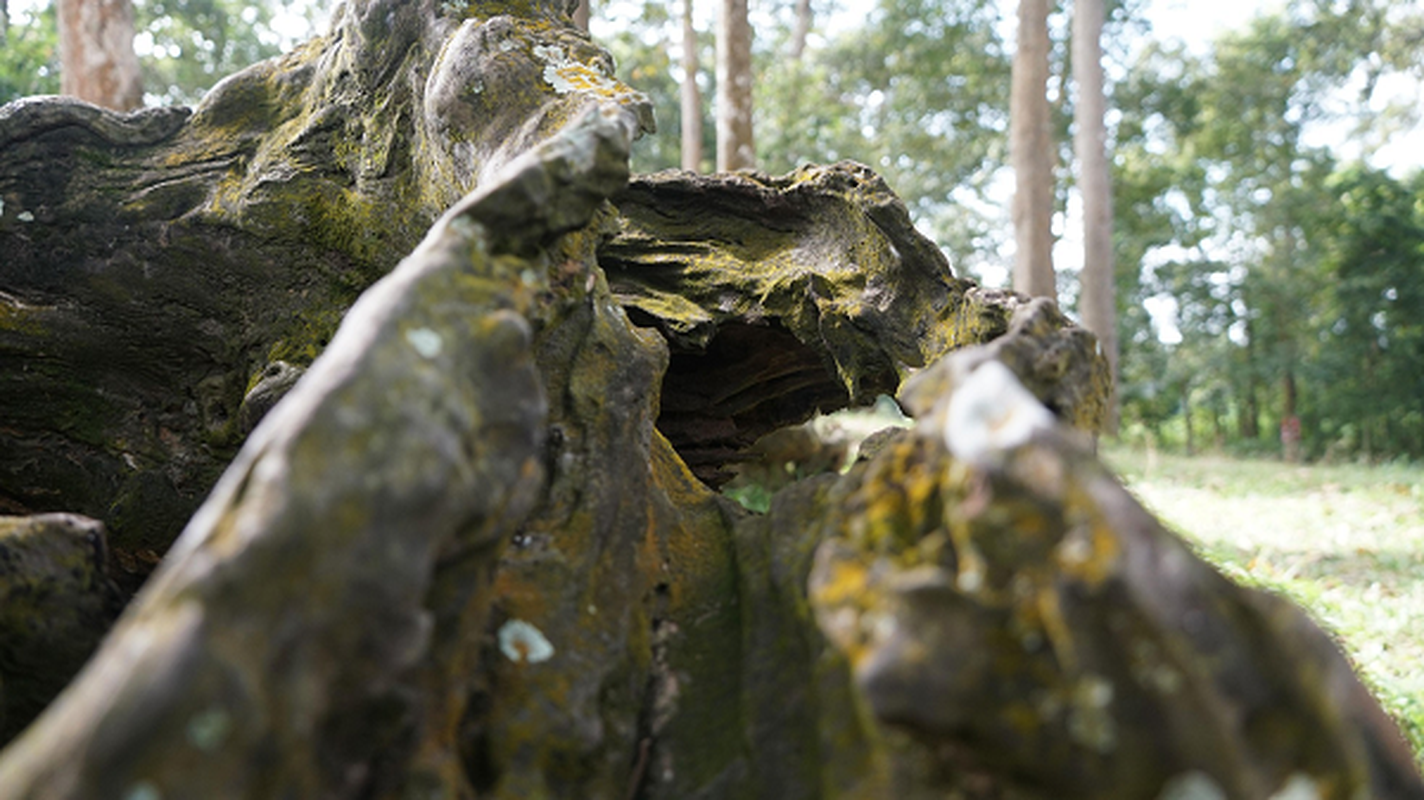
[(1344, 541)]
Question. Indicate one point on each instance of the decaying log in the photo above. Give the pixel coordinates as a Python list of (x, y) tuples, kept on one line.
[(475, 548), (153, 267)]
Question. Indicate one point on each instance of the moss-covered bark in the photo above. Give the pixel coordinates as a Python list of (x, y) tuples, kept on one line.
[(475, 551), (156, 265)]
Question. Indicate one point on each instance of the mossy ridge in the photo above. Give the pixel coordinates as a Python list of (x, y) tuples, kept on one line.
[(729, 263), (827, 252), (1072, 644)]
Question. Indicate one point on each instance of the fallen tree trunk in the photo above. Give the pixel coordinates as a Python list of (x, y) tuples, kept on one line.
[(476, 550)]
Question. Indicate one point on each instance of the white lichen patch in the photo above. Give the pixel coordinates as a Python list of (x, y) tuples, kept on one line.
[(991, 412), (523, 643), (970, 580), (1075, 549), (143, 790), (207, 731), (1194, 785), (567, 75), (1090, 721), (425, 341), (1298, 787)]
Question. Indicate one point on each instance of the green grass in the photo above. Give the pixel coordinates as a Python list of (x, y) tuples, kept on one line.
[(1344, 541)]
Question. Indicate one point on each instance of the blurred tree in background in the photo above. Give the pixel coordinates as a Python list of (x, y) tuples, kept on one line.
[(184, 46), (29, 57), (193, 43), (1032, 153), (1369, 343), (1267, 266), (97, 62), (1235, 171)]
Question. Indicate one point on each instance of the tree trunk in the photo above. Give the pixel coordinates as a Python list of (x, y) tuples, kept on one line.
[(96, 54), (1249, 424), (691, 95), (1032, 154), (800, 30), (476, 548), (1187, 419), (1097, 298), (1251, 418), (1218, 431), (1290, 421), (735, 147)]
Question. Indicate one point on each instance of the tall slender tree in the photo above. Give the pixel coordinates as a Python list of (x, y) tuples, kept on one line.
[(1096, 298), (96, 52), (691, 95), (801, 30), (735, 147), (1031, 153)]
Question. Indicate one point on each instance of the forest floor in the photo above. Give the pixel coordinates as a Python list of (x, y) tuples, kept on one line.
[(1345, 541)]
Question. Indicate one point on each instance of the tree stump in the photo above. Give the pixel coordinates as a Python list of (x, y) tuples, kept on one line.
[(475, 547)]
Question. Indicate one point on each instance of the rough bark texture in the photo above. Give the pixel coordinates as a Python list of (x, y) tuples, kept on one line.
[(735, 147), (1031, 153), (690, 94), (159, 266), (824, 263), (96, 53), (469, 553), (1097, 297)]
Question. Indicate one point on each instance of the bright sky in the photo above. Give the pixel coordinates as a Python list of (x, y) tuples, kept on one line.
[(1199, 21)]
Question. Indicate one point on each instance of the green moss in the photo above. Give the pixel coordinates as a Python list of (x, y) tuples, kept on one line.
[(526, 11), (20, 320), (305, 338), (974, 321)]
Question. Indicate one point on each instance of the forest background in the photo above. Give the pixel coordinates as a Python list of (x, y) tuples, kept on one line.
[(1268, 208)]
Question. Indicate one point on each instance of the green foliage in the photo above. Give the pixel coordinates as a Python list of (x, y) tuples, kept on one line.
[(919, 93), (185, 46), (641, 37), (1369, 344), (1230, 215), (29, 59)]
